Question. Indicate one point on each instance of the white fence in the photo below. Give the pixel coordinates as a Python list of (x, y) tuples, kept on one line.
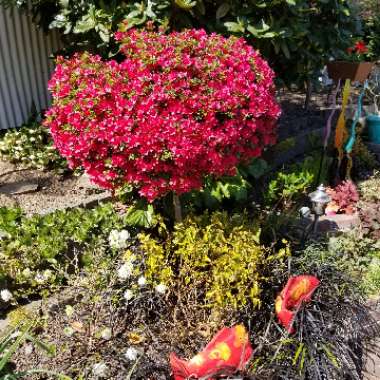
[(25, 66)]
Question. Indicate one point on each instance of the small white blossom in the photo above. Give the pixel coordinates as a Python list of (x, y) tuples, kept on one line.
[(128, 294), (141, 281), (161, 288), (28, 349), (131, 354), (68, 331), (100, 370), (47, 274), (40, 278), (6, 295), (26, 272), (125, 271), (119, 239), (106, 334), (15, 335)]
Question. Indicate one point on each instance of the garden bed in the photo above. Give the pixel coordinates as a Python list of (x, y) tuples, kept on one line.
[(41, 192)]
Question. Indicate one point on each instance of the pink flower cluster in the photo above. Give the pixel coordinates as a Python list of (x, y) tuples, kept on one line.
[(179, 107)]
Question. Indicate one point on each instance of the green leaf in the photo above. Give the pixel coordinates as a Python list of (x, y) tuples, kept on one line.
[(186, 4), (140, 216), (222, 10), (235, 27), (258, 168), (285, 49)]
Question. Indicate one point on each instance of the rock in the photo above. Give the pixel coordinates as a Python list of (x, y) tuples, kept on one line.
[(84, 182), (338, 222)]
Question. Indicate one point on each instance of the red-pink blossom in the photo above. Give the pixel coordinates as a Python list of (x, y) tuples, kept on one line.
[(179, 107)]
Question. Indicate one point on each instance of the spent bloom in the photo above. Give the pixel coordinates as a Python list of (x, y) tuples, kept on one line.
[(161, 289), (179, 107), (6, 295), (128, 294), (106, 333), (131, 354), (119, 239), (100, 370), (141, 281), (125, 271)]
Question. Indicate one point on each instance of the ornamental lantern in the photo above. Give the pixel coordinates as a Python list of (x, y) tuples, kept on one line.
[(319, 200)]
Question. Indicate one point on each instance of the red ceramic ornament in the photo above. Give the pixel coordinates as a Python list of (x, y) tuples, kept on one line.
[(228, 352), (297, 290)]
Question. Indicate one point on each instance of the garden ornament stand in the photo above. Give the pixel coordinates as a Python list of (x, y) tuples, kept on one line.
[(319, 200), (344, 140), (373, 120)]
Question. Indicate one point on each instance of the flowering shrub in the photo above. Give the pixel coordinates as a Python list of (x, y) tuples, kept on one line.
[(179, 107)]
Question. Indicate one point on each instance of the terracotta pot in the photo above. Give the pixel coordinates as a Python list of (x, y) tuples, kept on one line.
[(356, 71)]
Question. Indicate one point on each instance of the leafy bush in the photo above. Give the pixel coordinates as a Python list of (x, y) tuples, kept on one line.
[(372, 32), (36, 252), (31, 146), (344, 198), (180, 107), (297, 37), (369, 189), (370, 219), (217, 254)]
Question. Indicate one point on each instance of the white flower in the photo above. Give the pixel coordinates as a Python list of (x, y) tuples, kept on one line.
[(28, 349), (100, 370), (6, 295), (161, 288), (26, 272), (128, 294), (124, 235), (15, 335), (47, 274), (106, 334), (68, 331), (125, 271), (141, 281), (119, 239), (131, 354), (40, 278)]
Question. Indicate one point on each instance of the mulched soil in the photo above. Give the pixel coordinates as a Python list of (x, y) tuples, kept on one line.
[(42, 191)]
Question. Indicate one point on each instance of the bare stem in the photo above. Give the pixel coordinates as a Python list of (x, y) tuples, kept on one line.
[(177, 208)]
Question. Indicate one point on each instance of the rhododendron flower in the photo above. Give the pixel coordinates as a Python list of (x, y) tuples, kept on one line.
[(179, 107)]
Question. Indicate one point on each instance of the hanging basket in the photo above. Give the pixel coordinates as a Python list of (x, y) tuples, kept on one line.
[(356, 71)]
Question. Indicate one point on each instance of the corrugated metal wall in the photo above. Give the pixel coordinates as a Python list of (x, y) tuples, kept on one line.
[(25, 66)]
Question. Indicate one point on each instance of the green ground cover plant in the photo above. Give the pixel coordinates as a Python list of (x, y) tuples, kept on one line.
[(38, 253), (31, 146)]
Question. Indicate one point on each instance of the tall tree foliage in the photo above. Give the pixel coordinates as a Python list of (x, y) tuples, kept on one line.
[(296, 36)]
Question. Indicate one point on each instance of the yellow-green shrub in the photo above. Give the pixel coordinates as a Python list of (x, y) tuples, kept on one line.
[(219, 254)]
